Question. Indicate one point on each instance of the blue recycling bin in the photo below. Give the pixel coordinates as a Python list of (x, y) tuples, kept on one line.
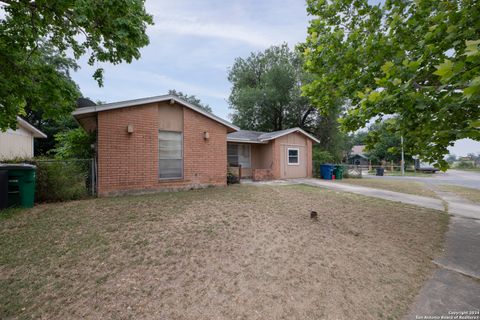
[(326, 171)]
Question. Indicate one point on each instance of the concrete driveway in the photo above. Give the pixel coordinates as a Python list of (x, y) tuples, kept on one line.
[(467, 179)]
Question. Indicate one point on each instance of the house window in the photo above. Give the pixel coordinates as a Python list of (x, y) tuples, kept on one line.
[(238, 154), (170, 155), (292, 154)]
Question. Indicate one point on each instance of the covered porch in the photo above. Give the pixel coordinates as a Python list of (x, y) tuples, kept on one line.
[(251, 160), (270, 155)]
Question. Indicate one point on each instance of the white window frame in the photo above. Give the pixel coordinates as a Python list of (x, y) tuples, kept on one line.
[(183, 158), (298, 157)]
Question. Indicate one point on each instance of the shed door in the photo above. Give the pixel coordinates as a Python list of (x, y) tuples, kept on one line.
[(293, 161)]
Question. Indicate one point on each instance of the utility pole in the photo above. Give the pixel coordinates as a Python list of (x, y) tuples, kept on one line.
[(402, 164)]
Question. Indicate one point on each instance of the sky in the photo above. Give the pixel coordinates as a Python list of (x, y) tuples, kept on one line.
[(192, 45)]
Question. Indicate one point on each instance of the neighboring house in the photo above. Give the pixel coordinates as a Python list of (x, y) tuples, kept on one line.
[(358, 156), (165, 142), (273, 155), (19, 143)]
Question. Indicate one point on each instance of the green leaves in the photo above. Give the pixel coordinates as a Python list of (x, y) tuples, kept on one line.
[(445, 70), (74, 144), (471, 48), (387, 67), (35, 37), (265, 94), (418, 61), (473, 89)]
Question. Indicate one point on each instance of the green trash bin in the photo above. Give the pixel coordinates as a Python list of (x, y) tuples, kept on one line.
[(21, 184), (338, 172)]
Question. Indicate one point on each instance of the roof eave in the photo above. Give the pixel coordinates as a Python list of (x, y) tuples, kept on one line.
[(246, 141), (131, 103), (292, 131), (35, 132)]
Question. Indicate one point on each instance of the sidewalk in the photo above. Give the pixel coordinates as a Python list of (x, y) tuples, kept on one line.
[(455, 285), (426, 202)]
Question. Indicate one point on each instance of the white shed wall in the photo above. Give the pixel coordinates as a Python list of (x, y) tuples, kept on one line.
[(16, 143)]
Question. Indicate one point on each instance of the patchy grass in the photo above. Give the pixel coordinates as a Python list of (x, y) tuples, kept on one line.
[(410, 187), (407, 173), (248, 252), (477, 169), (463, 192), (410, 174)]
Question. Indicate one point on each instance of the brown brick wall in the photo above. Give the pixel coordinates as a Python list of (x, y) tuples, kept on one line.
[(262, 174), (129, 162)]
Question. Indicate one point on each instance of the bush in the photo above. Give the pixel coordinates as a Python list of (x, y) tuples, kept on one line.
[(61, 181), (231, 178), (320, 156), (74, 144), (58, 180), (465, 165)]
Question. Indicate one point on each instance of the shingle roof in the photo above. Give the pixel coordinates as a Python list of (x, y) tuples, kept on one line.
[(264, 137), (245, 135)]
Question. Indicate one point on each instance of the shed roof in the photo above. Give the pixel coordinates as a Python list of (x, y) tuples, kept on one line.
[(35, 132)]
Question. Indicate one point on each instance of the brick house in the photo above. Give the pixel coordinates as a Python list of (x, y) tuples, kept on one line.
[(271, 155), (164, 142)]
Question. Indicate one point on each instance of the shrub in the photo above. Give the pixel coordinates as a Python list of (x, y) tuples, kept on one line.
[(231, 178), (321, 157), (61, 181), (464, 165), (58, 180), (74, 144)]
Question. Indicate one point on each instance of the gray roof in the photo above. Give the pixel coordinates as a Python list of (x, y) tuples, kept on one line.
[(264, 137), (245, 135), (361, 155)]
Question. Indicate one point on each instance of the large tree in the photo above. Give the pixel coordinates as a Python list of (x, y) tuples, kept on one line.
[(60, 66), (418, 60), (266, 91), (107, 31), (266, 96)]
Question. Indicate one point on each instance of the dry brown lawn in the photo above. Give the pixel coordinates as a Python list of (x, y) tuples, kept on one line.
[(470, 194), (410, 187), (242, 252)]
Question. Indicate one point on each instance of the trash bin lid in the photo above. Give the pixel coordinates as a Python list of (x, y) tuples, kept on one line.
[(16, 166)]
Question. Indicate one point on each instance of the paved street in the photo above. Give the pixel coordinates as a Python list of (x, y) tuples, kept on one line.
[(468, 179)]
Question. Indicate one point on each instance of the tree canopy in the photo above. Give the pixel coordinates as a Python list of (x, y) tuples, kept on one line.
[(34, 32), (383, 143), (417, 60), (266, 91), (266, 96)]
